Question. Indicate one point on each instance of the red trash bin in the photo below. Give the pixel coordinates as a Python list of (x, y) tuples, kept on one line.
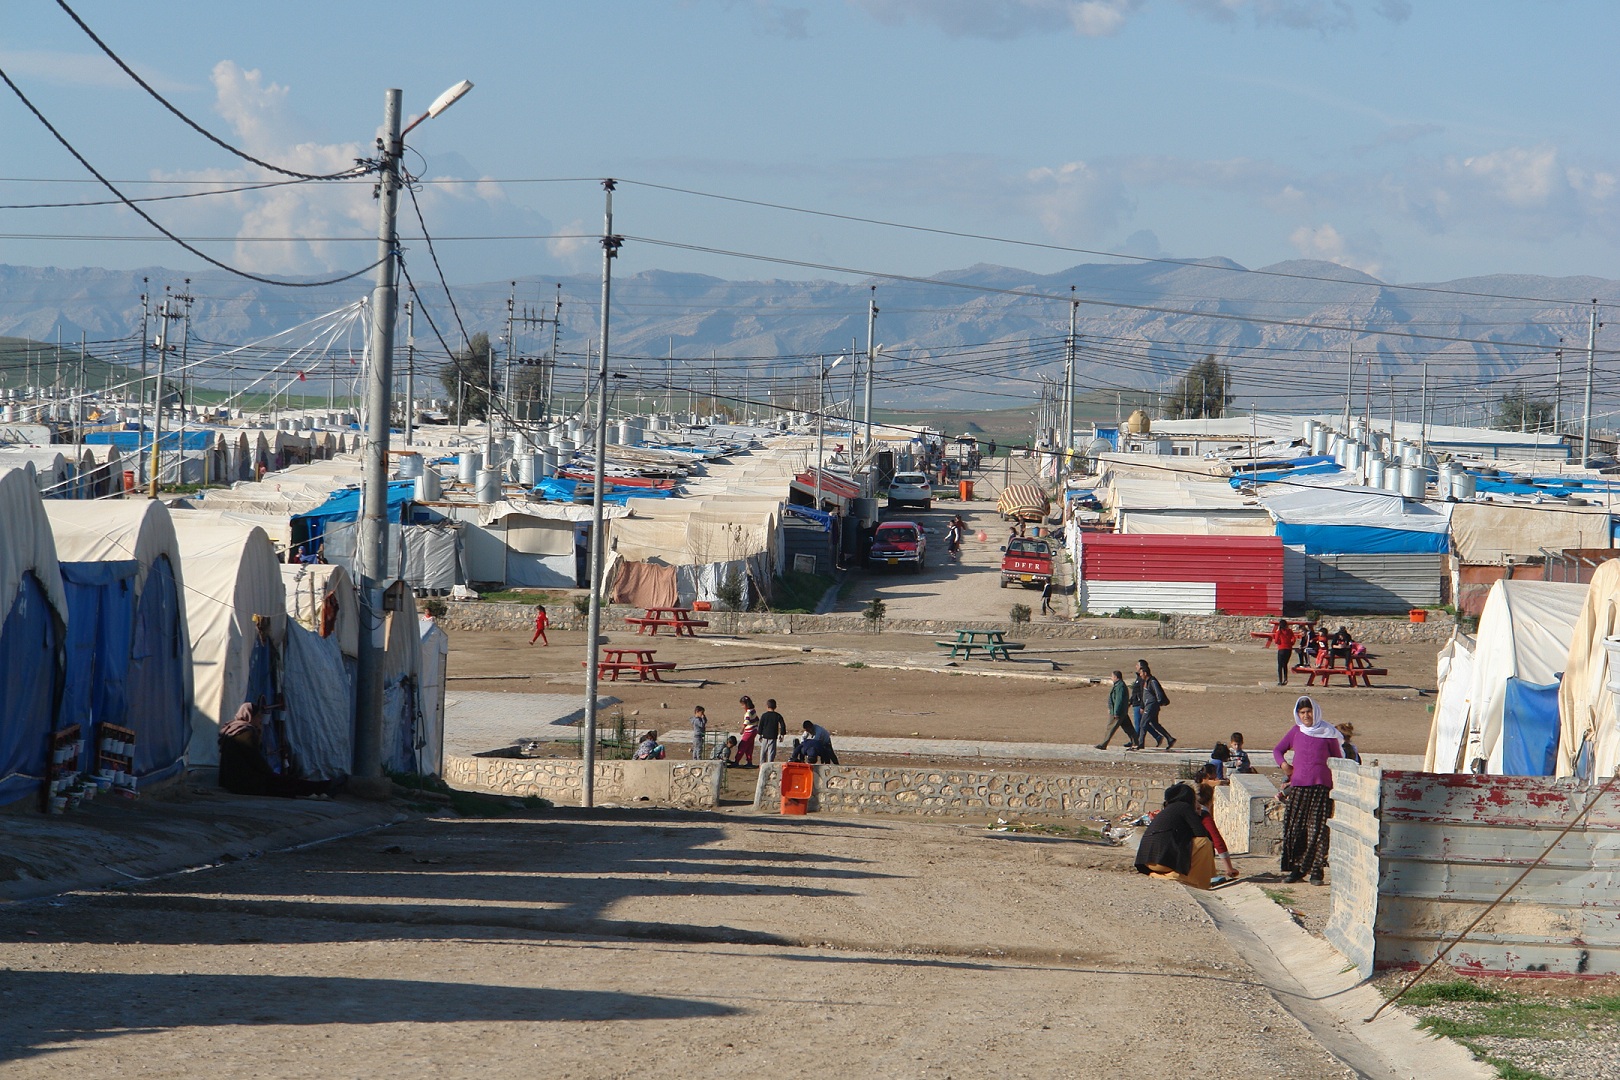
[(798, 782), (964, 490)]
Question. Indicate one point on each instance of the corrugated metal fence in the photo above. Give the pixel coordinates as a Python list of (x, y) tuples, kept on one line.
[(1372, 584)]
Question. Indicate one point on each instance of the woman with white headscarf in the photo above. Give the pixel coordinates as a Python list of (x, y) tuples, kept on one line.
[(1308, 794)]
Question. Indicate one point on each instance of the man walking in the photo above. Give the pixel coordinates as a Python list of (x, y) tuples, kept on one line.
[(1119, 714), (771, 728), (700, 731)]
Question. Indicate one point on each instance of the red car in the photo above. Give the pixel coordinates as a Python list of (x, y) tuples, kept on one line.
[(1027, 561), (898, 543)]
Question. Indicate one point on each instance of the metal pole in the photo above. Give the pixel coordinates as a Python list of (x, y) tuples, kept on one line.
[(821, 397), (146, 314), (1558, 389), (157, 408), (1423, 416), (871, 361), (1349, 383), (410, 370), (371, 554), (1586, 410), (1068, 386), (610, 248)]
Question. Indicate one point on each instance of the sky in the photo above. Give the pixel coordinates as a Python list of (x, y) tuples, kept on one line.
[(1415, 140)]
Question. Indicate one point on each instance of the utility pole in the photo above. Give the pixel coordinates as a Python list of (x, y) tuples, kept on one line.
[(371, 552), (1349, 383), (1423, 416), (146, 315), (155, 469), (610, 249), (1558, 389), (186, 299), (871, 361), (1068, 385), (410, 370), (529, 318), (78, 407), (1586, 411)]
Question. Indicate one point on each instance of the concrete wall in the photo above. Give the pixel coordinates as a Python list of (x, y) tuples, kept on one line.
[(479, 615), (691, 785), (1417, 856), (857, 789), (1249, 816)]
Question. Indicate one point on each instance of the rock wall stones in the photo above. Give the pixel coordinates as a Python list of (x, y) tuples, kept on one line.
[(858, 789), (1368, 628), (691, 785)]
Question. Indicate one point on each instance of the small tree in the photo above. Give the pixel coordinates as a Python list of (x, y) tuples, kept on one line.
[(873, 613), (1202, 391), (1518, 411), (466, 374), (1019, 614)]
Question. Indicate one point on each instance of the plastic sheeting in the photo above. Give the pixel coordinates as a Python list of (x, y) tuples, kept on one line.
[(30, 674), (1338, 520), (1448, 732), (1586, 704), (157, 687), (1484, 534), (322, 599), (1524, 633), (645, 585), (435, 647), (101, 620), (1530, 729), (320, 715)]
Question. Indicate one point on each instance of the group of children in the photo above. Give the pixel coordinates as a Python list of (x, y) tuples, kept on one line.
[(1315, 648), (760, 732)]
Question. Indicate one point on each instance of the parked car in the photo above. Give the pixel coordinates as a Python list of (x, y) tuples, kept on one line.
[(1027, 561), (911, 489), (898, 543)]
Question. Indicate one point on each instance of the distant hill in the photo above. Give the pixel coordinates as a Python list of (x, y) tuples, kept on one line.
[(996, 327)]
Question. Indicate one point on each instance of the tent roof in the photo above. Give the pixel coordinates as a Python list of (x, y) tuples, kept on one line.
[(1487, 533), (116, 529), (26, 542), (1586, 705), (1321, 504), (1524, 633)]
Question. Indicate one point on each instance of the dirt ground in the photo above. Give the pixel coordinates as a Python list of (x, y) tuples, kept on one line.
[(643, 945), (1214, 689)]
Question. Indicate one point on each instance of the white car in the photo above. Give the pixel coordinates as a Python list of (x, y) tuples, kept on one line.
[(911, 489)]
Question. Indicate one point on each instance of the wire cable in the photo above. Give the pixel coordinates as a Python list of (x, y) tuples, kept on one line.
[(359, 170)]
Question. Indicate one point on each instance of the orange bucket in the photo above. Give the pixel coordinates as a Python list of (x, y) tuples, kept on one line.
[(798, 782), (1418, 614)]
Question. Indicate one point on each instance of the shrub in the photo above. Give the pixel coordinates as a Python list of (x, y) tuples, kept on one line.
[(1019, 614)]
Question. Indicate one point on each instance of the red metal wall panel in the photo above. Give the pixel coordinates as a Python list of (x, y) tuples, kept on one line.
[(1247, 570)]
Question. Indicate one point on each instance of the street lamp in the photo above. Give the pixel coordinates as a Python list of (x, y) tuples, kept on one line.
[(371, 552), (821, 404)]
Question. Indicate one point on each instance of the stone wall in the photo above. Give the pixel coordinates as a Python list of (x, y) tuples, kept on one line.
[(690, 785), (858, 789), (1371, 629), (1249, 816)]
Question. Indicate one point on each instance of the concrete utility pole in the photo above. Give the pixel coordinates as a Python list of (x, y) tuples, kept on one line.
[(371, 552), (1558, 389), (146, 316), (610, 249), (1349, 383), (1586, 411), (410, 371), (1423, 416), (1068, 384), (871, 361)]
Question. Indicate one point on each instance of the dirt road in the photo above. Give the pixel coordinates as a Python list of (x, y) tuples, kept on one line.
[(649, 945)]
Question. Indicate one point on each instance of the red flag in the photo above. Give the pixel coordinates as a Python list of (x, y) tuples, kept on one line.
[(301, 376)]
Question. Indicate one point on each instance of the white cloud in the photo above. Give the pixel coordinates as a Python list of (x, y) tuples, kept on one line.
[(1076, 200), (1325, 242), (573, 243), (81, 69), (1007, 19)]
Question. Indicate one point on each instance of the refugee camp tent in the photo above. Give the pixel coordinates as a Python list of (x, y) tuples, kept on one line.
[(405, 736), (236, 613), (431, 683), (323, 643), (129, 652), (1448, 732), (1325, 518), (33, 619), (53, 473), (1589, 744), (1521, 649)]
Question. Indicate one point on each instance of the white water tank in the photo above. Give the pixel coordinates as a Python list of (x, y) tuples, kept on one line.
[(428, 486), (1319, 440), (1376, 470), (550, 462), (1463, 485), (1352, 456), (489, 487), (470, 463), (1414, 479), (526, 469), (410, 465), (1308, 431)]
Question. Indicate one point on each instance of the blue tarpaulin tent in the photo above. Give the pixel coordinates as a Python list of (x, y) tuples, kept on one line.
[(33, 610), (557, 489), (142, 440), (101, 616), (1530, 729), (344, 506)]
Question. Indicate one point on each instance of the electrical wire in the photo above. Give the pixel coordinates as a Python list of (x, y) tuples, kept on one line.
[(152, 198), (360, 169), (80, 158)]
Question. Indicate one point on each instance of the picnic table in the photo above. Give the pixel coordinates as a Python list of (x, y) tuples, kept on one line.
[(1351, 671), (678, 619), (992, 643), (613, 662)]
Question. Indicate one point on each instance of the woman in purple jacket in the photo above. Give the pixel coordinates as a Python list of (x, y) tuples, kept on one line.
[(1308, 794)]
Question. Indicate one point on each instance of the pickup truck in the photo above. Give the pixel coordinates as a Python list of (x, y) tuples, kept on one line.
[(898, 543), (1026, 561)]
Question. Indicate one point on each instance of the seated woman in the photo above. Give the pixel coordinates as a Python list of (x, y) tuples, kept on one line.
[(649, 748), (243, 769), (1175, 846)]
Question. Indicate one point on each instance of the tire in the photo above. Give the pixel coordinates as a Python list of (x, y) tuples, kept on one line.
[(1003, 583), (928, 505)]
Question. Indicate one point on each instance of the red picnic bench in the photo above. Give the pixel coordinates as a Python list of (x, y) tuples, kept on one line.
[(613, 662), (678, 619), (1351, 672)]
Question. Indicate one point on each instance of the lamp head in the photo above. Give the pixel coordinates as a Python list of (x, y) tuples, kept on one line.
[(449, 97)]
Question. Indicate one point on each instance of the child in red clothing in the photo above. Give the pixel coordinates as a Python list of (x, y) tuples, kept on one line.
[(541, 621), (1206, 814)]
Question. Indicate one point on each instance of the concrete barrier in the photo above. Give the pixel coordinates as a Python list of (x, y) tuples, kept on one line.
[(1249, 816), (690, 785), (871, 789)]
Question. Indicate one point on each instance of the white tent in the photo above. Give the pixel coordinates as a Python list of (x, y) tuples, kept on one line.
[(1586, 703), (53, 474), (1449, 729), (431, 684), (1524, 634), (33, 617), (236, 611), (404, 734), (323, 640)]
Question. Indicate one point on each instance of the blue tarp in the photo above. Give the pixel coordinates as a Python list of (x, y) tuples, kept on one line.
[(30, 673), (1530, 729), (1361, 539), (820, 517), (157, 680), (1269, 472), (558, 489), (101, 617), (344, 506), (142, 440), (1550, 489)]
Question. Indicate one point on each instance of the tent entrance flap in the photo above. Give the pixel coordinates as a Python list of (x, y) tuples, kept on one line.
[(1530, 729), (29, 681)]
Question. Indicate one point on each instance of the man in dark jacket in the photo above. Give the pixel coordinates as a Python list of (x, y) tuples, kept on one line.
[(1119, 713), (1175, 845), (771, 729)]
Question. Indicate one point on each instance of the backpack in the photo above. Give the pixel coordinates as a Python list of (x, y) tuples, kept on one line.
[(1158, 690)]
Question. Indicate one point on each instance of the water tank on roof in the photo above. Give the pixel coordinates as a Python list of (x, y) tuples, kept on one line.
[(1464, 484), (468, 465), (1414, 480), (525, 462), (489, 486), (1138, 423), (410, 465), (428, 486), (1376, 470), (1319, 440)]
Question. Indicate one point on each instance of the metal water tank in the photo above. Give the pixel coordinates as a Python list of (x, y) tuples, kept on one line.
[(428, 486), (1392, 477), (1352, 456), (489, 486), (1319, 440), (550, 459), (526, 470), (1414, 481), (1376, 470), (1448, 473), (410, 465), (655, 422), (1463, 485), (470, 463), (1308, 431)]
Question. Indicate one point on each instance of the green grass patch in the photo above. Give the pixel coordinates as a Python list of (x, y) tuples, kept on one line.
[(1280, 896), (855, 664), (1071, 832), (1452, 990), (1508, 1019), (521, 596), (798, 594)]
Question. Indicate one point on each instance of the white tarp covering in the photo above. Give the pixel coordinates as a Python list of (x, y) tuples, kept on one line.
[(1449, 730), (320, 705), (26, 543), (1524, 633), (435, 665), (231, 576), (494, 512), (1302, 502), (1586, 704), (308, 585), (52, 472), (404, 736), (1485, 534)]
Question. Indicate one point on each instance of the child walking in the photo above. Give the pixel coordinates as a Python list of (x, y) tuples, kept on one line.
[(541, 621)]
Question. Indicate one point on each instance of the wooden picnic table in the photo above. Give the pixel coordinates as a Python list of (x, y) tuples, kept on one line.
[(1351, 672), (992, 643), (678, 619), (613, 662)]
